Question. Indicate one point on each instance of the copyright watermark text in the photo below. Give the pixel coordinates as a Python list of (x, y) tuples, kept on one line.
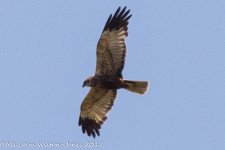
[(46, 144)]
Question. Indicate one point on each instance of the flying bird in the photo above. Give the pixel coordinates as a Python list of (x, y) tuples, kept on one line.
[(108, 78)]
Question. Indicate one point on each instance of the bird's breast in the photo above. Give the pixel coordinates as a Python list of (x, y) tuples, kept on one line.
[(108, 82)]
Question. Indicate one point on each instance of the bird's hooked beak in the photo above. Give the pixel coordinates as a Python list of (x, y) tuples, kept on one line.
[(84, 84)]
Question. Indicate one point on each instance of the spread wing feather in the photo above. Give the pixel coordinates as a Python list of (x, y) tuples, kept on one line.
[(94, 109), (111, 48)]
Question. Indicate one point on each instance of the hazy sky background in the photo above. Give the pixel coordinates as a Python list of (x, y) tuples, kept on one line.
[(47, 49)]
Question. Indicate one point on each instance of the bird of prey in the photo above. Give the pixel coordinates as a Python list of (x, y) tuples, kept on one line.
[(111, 52)]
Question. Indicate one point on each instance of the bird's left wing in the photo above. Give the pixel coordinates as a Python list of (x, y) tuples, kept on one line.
[(111, 48), (94, 109)]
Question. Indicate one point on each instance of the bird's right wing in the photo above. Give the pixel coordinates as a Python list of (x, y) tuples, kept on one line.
[(94, 109)]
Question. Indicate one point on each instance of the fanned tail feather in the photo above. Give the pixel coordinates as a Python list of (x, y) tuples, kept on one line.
[(139, 87)]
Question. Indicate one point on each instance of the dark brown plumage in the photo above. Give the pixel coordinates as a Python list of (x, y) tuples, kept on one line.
[(111, 52)]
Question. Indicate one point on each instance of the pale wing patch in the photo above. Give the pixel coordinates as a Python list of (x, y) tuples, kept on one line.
[(117, 49), (111, 51)]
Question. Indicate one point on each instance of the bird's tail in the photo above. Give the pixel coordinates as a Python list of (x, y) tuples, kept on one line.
[(139, 87)]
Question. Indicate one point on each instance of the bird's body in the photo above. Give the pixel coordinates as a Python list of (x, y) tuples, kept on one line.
[(108, 78), (107, 82)]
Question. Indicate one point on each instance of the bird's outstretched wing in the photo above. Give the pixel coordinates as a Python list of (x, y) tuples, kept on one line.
[(94, 109), (111, 48)]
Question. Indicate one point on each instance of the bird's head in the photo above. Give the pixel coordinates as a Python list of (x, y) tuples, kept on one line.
[(87, 82)]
